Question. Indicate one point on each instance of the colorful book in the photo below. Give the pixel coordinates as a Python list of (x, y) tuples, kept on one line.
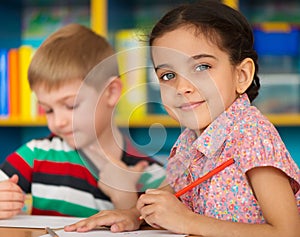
[(14, 82), (3, 83), (132, 66), (25, 54)]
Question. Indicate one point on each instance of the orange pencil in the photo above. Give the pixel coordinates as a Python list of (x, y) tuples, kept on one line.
[(202, 179), (205, 177)]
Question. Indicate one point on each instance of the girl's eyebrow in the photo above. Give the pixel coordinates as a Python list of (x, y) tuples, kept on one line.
[(198, 56), (192, 58), (165, 65)]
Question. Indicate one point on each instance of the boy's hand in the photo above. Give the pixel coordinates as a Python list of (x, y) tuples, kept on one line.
[(118, 220), (12, 198), (118, 181)]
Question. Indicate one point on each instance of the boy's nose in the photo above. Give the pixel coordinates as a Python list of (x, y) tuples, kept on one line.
[(60, 120)]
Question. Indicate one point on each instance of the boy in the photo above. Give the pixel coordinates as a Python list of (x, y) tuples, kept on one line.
[(61, 171)]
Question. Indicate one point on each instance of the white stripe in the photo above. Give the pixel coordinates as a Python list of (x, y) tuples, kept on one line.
[(70, 195), (45, 144), (156, 172), (3, 176)]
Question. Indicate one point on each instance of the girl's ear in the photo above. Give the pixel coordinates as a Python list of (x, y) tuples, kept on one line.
[(246, 71), (113, 91)]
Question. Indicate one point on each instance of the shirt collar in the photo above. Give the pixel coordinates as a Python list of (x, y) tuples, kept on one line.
[(215, 135)]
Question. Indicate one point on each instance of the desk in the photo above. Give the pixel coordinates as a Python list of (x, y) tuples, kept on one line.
[(26, 232), (20, 232)]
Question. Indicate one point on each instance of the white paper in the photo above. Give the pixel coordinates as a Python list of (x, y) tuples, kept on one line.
[(107, 233), (36, 221)]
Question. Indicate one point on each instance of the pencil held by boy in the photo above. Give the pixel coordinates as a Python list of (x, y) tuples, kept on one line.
[(208, 73), (64, 171)]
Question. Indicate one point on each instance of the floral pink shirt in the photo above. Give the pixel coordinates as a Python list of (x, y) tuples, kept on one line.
[(242, 133)]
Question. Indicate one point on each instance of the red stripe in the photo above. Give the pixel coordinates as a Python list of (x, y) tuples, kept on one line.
[(64, 168), (135, 153), (36, 211), (21, 165)]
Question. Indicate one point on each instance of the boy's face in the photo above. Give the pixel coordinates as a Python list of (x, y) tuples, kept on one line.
[(196, 78), (69, 116)]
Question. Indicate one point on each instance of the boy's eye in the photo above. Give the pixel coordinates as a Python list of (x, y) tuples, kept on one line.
[(202, 67), (72, 107), (48, 111), (167, 76)]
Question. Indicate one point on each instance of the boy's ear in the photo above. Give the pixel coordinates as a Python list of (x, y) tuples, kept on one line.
[(246, 71), (113, 91)]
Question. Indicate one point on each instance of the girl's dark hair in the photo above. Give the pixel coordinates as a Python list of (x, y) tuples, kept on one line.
[(223, 25)]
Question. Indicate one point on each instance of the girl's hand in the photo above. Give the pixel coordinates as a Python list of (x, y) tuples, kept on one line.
[(12, 198), (161, 209), (118, 181), (118, 220)]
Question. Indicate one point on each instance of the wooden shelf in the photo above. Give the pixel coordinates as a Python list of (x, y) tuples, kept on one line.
[(21, 122), (284, 119), (150, 120), (164, 120)]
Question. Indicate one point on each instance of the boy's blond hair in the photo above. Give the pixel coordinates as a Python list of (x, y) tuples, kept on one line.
[(68, 54)]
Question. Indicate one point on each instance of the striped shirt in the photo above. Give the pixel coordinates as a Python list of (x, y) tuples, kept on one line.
[(62, 182)]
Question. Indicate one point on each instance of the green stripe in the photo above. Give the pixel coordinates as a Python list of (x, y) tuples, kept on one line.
[(59, 156), (27, 154), (144, 184), (63, 207)]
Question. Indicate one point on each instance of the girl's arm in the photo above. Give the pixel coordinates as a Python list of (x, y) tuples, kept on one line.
[(272, 190), (118, 181)]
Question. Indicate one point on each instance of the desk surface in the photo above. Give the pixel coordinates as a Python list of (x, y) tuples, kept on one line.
[(21, 232)]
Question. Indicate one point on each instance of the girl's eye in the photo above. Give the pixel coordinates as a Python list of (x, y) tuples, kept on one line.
[(202, 67), (167, 76)]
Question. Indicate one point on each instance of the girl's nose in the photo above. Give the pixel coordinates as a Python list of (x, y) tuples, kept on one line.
[(184, 86)]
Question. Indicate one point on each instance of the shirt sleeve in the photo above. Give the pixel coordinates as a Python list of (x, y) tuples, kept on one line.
[(263, 146), (20, 162)]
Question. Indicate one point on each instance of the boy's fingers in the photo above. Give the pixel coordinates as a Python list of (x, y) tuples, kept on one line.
[(140, 166), (14, 178), (8, 214)]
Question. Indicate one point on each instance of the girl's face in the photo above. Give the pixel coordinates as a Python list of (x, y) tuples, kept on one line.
[(196, 78), (70, 116)]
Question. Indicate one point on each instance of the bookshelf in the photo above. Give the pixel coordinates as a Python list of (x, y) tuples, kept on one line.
[(110, 16)]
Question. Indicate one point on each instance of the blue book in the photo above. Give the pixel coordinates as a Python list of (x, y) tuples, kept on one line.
[(4, 87)]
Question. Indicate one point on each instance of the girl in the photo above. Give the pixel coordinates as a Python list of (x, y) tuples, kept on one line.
[(207, 68)]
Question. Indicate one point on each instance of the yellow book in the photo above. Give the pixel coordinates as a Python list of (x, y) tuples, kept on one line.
[(131, 54), (25, 54)]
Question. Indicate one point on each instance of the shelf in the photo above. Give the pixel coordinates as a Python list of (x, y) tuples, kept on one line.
[(284, 119), (21, 122), (151, 120)]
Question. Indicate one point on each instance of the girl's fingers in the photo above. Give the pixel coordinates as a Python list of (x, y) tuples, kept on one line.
[(150, 197)]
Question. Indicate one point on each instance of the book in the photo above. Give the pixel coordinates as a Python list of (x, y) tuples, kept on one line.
[(14, 82), (25, 54), (132, 67), (3, 83)]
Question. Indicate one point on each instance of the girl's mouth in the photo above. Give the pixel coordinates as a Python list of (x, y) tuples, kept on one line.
[(190, 105)]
